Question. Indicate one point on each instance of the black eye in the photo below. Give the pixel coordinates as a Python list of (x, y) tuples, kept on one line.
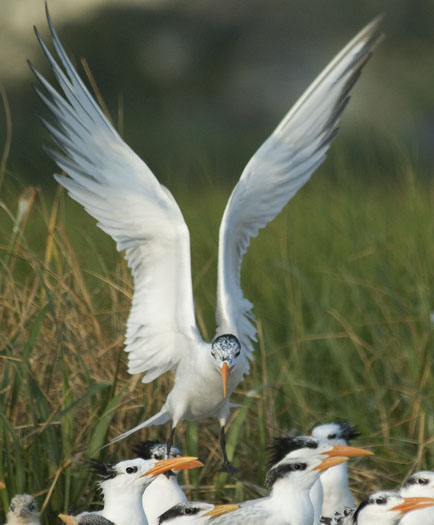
[(158, 456), (311, 444), (32, 507), (298, 466), (380, 501), (331, 436), (131, 470), (189, 511), (422, 481)]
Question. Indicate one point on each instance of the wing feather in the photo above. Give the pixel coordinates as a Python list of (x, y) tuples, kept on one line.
[(281, 166), (118, 189)]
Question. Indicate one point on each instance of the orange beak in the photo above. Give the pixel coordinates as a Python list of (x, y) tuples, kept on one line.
[(338, 450), (178, 463), (414, 504), (225, 371), (69, 520), (330, 462), (219, 510)]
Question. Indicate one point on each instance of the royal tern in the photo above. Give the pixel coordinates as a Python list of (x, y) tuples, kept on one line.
[(23, 510), (289, 482), (164, 492), (336, 493), (195, 512), (87, 518), (306, 446), (381, 508), (419, 484), (118, 189), (123, 484)]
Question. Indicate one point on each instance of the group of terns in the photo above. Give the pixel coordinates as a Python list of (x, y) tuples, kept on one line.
[(307, 480), (307, 477)]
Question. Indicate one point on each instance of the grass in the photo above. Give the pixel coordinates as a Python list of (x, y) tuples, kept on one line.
[(342, 283)]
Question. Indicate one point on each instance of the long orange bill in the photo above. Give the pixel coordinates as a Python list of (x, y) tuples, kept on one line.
[(338, 450), (225, 371), (179, 463), (414, 504), (330, 462), (219, 510), (66, 518)]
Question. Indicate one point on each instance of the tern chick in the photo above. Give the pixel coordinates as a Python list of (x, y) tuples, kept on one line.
[(23, 510)]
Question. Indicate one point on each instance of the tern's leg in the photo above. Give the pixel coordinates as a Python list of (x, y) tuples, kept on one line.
[(170, 441), (227, 465)]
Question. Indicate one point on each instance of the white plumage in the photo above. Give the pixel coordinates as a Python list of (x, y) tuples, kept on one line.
[(419, 484), (117, 188)]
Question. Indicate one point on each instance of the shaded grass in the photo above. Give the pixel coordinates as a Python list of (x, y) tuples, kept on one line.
[(342, 283)]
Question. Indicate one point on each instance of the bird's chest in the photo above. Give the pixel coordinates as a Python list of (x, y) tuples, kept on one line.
[(198, 391)]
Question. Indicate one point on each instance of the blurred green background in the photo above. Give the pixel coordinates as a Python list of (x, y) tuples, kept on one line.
[(206, 82), (342, 281)]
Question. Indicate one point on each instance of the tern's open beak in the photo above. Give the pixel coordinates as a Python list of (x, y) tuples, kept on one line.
[(218, 510), (178, 463), (225, 371), (338, 450), (414, 504), (69, 520), (330, 462)]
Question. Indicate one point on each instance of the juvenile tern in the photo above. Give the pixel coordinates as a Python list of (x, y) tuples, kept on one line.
[(381, 508), (289, 482), (123, 484), (196, 512), (23, 510), (419, 484), (118, 189), (336, 493), (164, 492)]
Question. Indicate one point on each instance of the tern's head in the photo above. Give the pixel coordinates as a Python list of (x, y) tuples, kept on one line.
[(86, 518), (225, 350), (419, 484), (306, 446), (23, 509), (387, 508), (134, 475), (300, 472), (335, 433), (156, 450), (191, 512)]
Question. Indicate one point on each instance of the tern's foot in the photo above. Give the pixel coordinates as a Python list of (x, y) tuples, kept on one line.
[(229, 468)]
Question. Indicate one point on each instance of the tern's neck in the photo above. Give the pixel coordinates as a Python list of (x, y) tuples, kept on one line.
[(336, 491), (124, 507), (162, 494), (291, 503)]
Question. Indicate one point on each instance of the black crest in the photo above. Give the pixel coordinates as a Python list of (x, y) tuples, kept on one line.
[(102, 469), (347, 431), (153, 449), (281, 471), (182, 509), (282, 446)]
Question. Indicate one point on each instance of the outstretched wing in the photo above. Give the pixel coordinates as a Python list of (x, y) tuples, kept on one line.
[(117, 188), (278, 170)]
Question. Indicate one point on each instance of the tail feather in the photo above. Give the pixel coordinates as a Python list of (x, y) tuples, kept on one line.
[(157, 419)]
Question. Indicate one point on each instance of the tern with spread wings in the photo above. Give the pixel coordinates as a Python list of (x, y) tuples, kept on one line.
[(118, 189)]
